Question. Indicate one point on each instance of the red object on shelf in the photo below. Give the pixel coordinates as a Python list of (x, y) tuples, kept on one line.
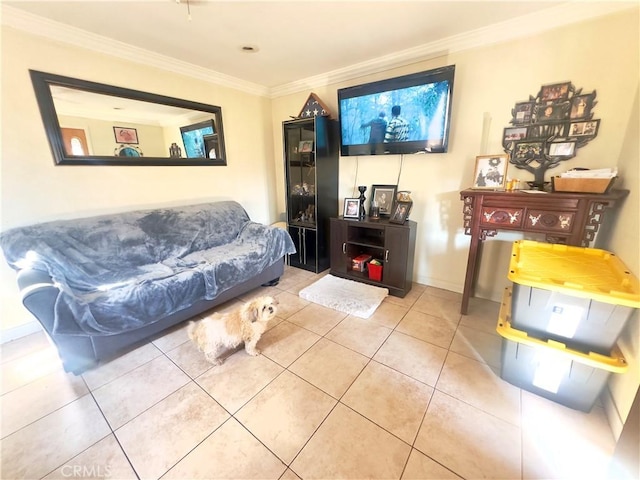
[(375, 272)]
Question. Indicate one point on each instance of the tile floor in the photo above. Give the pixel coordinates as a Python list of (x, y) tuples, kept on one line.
[(414, 392)]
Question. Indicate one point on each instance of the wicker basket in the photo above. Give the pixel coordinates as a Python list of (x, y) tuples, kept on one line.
[(582, 185)]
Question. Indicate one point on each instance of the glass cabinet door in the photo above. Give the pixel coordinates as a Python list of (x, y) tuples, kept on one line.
[(301, 175)]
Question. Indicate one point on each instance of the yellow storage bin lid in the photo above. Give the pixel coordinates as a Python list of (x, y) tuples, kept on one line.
[(578, 271), (614, 363)]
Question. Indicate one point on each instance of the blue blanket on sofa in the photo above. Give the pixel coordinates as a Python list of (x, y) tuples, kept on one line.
[(122, 271)]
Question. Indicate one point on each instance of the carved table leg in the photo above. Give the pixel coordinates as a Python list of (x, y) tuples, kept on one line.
[(471, 273)]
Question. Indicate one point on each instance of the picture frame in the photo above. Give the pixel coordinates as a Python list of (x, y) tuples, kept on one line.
[(385, 196), (305, 146), (528, 150), (514, 134), (552, 112), (351, 208), (400, 212), (491, 171), (193, 138), (581, 106), (584, 129), (564, 149), (555, 91), (126, 135), (522, 113)]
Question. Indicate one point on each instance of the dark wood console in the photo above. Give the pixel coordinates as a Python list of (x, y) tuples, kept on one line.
[(569, 218), (392, 244)]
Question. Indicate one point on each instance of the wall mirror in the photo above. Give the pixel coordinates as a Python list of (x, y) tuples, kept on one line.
[(90, 123)]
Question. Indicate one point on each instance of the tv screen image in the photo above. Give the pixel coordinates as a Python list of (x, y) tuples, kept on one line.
[(193, 138), (408, 114)]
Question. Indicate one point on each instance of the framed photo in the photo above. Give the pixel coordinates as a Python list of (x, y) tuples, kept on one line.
[(514, 134), (562, 149), (523, 112), (400, 212), (551, 113), (306, 146), (491, 171), (193, 138), (556, 91), (581, 106), (126, 135), (351, 208), (528, 150), (584, 129), (384, 196)]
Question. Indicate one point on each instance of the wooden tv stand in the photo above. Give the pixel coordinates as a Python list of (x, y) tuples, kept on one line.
[(393, 244), (569, 218)]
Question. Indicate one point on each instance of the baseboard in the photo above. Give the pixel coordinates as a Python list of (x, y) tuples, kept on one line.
[(613, 416), (20, 331)]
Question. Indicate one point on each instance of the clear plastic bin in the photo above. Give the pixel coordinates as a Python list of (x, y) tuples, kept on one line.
[(552, 370), (580, 296)]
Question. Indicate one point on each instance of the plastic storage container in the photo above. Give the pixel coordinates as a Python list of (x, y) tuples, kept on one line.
[(580, 296), (375, 272), (550, 369)]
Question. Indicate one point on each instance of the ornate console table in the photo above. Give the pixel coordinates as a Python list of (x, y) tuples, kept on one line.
[(570, 218)]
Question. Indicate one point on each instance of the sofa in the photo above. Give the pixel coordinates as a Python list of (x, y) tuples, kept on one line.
[(101, 284)]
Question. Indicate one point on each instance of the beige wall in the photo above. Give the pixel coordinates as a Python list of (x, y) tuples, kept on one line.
[(33, 189), (599, 55), (487, 84)]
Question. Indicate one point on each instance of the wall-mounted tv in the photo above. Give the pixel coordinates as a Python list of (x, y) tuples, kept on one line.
[(193, 138), (408, 114)]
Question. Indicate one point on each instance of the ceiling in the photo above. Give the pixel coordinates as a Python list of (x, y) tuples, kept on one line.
[(296, 41)]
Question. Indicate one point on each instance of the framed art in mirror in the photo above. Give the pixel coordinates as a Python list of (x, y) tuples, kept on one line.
[(155, 124)]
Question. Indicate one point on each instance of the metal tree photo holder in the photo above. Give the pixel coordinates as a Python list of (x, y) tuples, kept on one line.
[(549, 129)]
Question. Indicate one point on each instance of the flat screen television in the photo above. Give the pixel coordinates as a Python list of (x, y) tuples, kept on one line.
[(193, 137), (408, 114)]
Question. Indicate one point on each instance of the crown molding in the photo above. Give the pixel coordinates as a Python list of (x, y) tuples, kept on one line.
[(43, 27), (533, 24)]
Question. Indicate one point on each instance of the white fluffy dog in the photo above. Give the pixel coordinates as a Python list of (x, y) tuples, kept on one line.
[(221, 331)]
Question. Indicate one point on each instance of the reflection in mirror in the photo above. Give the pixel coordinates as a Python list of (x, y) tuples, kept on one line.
[(89, 123)]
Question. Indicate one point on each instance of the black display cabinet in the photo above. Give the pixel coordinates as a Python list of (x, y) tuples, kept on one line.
[(311, 170)]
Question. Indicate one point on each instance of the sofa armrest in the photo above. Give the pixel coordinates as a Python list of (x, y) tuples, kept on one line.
[(39, 294)]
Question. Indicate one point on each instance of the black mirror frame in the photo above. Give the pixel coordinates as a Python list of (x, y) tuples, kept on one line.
[(41, 83)]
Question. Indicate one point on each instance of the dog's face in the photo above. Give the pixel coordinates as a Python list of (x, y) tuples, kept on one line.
[(263, 309)]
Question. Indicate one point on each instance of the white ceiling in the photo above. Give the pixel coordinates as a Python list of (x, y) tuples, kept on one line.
[(297, 41)]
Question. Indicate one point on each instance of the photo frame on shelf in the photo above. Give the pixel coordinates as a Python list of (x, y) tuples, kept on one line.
[(400, 212), (384, 196), (491, 171), (126, 135), (351, 208), (305, 146)]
